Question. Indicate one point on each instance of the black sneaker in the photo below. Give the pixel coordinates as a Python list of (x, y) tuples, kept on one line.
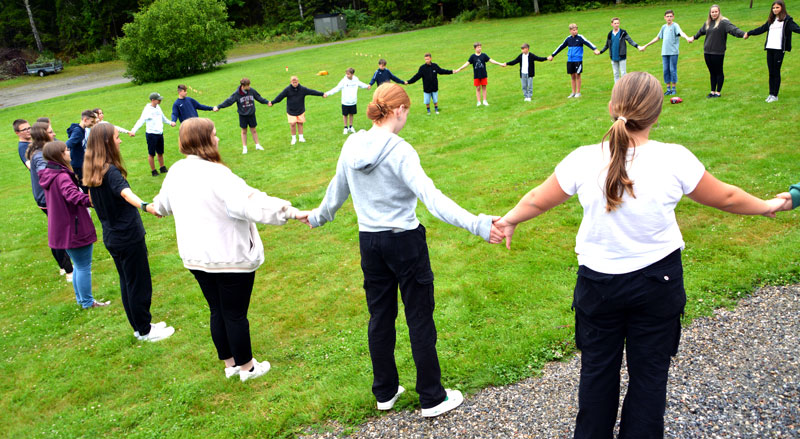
[(155, 173), (163, 169), (710, 95)]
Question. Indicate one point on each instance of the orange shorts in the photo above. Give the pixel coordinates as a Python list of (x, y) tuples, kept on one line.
[(482, 81), (297, 119)]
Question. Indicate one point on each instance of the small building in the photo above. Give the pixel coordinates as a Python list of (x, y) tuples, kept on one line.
[(328, 24)]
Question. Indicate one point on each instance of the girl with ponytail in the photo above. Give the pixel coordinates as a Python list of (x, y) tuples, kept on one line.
[(383, 173), (629, 293)]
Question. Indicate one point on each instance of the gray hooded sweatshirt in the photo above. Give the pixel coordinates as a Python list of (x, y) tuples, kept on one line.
[(384, 174)]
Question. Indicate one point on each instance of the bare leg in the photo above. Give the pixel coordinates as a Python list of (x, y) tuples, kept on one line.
[(255, 134), (244, 137), (478, 93), (292, 125), (578, 82), (152, 162), (229, 362), (483, 87), (351, 120), (573, 82), (344, 119), (299, 128), (160, 160)]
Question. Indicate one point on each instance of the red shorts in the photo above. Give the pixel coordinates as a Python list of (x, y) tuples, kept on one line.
[(481, 81)]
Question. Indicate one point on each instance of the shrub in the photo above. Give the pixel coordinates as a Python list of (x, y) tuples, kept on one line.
[(175, 38)]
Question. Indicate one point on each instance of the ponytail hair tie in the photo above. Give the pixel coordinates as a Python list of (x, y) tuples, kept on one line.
[(623, 119)]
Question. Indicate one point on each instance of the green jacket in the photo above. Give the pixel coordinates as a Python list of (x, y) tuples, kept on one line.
[(795, 191)]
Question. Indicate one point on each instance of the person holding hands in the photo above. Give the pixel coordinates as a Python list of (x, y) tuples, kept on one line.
[(480, 75), (574, 42), (716, 29), (779, 26)]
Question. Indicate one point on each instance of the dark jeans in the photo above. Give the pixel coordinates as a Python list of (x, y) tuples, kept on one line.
[(135, 284), (228, 296), (639, 312), (60, 255), (774, 62), (715, 71), (389, 260)]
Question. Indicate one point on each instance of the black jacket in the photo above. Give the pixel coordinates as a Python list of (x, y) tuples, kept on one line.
[(717, 37), (429, 74), (531, 58), (295, 98), (245, 101), (789, 26), (623, 48)]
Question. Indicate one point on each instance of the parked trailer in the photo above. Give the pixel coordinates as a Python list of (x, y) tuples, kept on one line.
[(42, 69)]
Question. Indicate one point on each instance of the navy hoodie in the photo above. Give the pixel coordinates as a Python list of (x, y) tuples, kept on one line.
[(76, 144)]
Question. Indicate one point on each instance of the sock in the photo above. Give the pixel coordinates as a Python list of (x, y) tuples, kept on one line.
[(293, 137), (252, 369), (350, 126)]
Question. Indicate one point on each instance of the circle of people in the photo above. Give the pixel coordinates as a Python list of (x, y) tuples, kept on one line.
[(629, 293)]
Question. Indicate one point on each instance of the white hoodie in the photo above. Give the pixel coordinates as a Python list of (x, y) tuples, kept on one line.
[(215, 211), (349, 88), (384, 174), (154, 119)]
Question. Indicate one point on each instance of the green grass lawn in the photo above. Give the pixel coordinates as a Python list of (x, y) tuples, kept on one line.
[(500, 314)]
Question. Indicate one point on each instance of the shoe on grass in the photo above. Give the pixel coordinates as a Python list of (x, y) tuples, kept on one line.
[(479, 104), (390, 403), (571, 95), (244, 149), (576, 95), (232, 371), (352, 130), (159, 325), (68, 277), (154, 173), (259, 368), (163, 170), (345, 131), (485, 103), (453, 399), (259, 147), (97, 304), (157, 333)]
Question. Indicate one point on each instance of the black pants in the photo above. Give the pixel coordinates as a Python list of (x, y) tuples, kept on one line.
[(774, 63), (60, 255), (135, 284), (639, 312), (228, 296), (389, 260), (715, 71)]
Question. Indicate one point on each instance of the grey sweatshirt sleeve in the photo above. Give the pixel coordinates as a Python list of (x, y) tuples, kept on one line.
[(335, 196), (438, 203)]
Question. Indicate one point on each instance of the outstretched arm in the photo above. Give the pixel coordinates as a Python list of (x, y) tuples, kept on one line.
[(461, 68), (536, 202), (729, 198)]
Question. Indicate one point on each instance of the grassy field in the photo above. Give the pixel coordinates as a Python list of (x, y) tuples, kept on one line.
[(69, 373)]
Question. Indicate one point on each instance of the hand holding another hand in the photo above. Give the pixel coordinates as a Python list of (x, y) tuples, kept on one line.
[(302, 216)]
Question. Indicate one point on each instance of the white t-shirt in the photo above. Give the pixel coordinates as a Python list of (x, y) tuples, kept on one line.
[(642, 230), (775, 35), (524, 65)]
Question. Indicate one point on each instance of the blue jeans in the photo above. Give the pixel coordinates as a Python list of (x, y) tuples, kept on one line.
[(82, 274), (427, 97), (527, 85), (670, 68)]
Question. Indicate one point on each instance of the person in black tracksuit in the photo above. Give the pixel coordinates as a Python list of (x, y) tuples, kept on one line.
[(716, 30), (429, 72), (245, 98), (526, 70), (295, 95), (780, 26)]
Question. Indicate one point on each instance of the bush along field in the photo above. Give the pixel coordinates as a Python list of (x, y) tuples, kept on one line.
[(69, 373)]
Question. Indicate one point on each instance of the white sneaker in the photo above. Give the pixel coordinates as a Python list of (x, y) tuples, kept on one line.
[(352, 129), (159, 325), (68, 277), (345, 131), (453, 399), (301, 139), (259, 368), (772, 98), (485, 102), (437, 111), (571, 95), (479, 103), (244, 150), (231, 372), (62, 272), (390, 403), (294, 140), (259, 147), (577, 95), (157, 334)]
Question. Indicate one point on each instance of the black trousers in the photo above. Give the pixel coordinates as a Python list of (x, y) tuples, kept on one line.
[(135, 284), (715, 71), (640, 313), (389, 260), (774, 63), (228, 297), (60, 255)]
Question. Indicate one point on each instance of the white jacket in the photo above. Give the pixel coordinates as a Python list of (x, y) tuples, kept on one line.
[(349, 88), (215, 211), (155, 120)]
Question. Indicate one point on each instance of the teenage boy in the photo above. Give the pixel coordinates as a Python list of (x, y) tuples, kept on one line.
[(383, 74), (154, 119), (295, 95), (480, 76), (670, 49), (23, 131), (619, 49), (526, 70), (185, 107), (349, 86), (245, 97), (100, 115), (575, 42), (78, 134), (429, 72)]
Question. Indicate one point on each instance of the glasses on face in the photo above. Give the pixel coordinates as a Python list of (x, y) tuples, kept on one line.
[(24, 129)]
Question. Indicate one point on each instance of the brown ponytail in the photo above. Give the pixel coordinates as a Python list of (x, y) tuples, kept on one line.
[(635, 105), (386, 99)]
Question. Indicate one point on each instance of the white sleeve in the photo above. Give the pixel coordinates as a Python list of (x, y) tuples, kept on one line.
[(141, 120), (688, 169), (338, 87), (161, 201), (568, 171), (243, 202)]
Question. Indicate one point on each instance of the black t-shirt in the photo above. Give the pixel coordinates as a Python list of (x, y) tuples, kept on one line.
[(479, 64), (121, 222)]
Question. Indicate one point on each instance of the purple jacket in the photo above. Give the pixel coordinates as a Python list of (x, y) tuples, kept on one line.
[(68, 221)]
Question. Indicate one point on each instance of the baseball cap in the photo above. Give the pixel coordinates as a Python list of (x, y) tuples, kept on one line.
[(156, 96)]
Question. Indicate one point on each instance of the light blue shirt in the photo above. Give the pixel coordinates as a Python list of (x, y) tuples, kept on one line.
[(670, 39)]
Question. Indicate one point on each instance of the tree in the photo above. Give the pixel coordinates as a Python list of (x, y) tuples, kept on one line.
[(33, 27), (175, 38)]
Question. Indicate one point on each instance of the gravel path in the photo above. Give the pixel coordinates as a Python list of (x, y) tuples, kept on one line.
[(735, 376)]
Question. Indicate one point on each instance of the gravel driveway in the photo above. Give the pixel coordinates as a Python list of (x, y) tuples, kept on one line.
[(735, 376)]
